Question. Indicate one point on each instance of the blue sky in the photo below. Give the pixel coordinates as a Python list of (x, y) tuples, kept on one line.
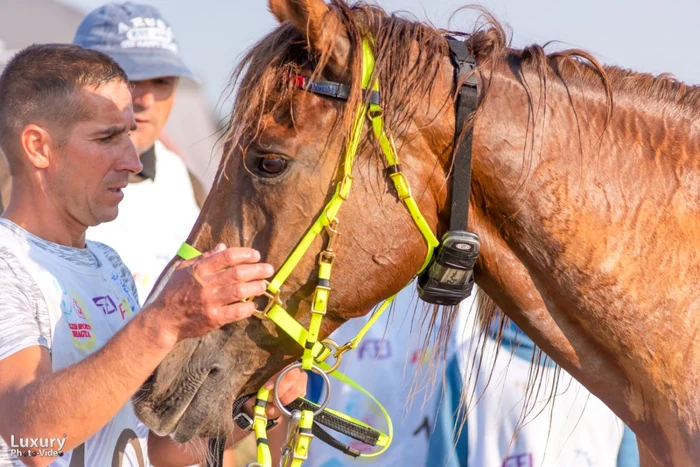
[(645, 35)]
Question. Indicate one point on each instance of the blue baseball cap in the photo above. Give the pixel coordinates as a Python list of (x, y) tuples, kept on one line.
[(137, 38)]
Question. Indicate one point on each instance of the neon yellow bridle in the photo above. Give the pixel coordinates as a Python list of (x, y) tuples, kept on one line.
[(315, 353)]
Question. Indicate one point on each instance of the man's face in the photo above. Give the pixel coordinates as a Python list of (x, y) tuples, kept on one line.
[(153, 101), (91, 168)]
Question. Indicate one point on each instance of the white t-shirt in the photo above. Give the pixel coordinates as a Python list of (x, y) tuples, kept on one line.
[(391, 364), (71, 301), (574, 429), (154, 218)]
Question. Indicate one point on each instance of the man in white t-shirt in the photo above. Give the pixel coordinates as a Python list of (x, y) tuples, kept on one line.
[(74, 344), (159, 207)]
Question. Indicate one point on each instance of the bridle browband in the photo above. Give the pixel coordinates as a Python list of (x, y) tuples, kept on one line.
[(444, 278)]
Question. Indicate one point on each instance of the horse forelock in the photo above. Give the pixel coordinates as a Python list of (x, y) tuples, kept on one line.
[(263, 83)]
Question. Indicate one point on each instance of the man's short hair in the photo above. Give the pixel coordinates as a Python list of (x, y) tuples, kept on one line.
[(41, 84)]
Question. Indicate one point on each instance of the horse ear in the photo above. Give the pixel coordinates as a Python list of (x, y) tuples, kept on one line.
[(319, 24), (277, 7)]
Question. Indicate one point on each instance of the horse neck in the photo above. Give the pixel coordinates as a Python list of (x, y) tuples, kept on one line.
[(577, 232)]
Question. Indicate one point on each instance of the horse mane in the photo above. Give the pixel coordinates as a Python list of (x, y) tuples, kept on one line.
[(409, 54)]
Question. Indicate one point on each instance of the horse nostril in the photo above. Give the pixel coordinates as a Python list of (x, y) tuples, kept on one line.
[(215, 369)]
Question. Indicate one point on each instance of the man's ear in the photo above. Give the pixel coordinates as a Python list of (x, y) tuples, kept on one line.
[(36, 145)]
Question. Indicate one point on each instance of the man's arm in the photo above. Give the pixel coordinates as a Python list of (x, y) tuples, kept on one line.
[(202, 295), (81, 399)]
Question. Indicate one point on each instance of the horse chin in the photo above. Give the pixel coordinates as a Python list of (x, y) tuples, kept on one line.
[(170, 414), (193, 390), (197, 419), (192, 382)]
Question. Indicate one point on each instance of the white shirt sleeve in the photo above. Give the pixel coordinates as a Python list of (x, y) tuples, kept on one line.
[(24, 318)]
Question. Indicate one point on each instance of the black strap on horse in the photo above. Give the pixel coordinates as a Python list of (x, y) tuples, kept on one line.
[(467, 101), (449, 278)]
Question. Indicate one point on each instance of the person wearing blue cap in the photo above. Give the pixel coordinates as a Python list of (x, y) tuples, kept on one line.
[(159, 206)]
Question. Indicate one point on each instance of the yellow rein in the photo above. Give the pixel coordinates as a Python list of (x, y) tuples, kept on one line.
[(315, 352)]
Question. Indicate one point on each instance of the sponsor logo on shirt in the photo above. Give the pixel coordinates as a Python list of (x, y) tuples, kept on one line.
[(78, 309), (421, 356), (519, 460), (106, 304), (379, 349), (80, 328), (125, 309)]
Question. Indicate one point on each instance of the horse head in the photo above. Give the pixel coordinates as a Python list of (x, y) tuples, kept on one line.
[(285, 149)]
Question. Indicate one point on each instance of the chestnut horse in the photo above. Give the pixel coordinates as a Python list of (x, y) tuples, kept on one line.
[(585, 189)]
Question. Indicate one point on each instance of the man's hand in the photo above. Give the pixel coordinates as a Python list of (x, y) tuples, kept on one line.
[(206, 292)]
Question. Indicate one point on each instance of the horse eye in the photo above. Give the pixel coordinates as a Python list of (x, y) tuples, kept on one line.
[(272, 164)]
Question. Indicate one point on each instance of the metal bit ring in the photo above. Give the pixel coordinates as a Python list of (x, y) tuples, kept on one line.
[(315, 369)]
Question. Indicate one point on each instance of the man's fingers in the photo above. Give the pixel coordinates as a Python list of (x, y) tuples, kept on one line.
[(225, 259), (240, 273), (218, 248), (233, 293), (236, 312), (293, 385), (272, 411)]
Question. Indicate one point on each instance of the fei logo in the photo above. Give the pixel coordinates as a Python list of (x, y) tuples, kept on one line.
[(45, 447), (125, 309), (379, 349), (106, 304)]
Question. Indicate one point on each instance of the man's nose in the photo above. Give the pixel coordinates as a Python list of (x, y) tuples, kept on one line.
[(143, 97), (131, 161)]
